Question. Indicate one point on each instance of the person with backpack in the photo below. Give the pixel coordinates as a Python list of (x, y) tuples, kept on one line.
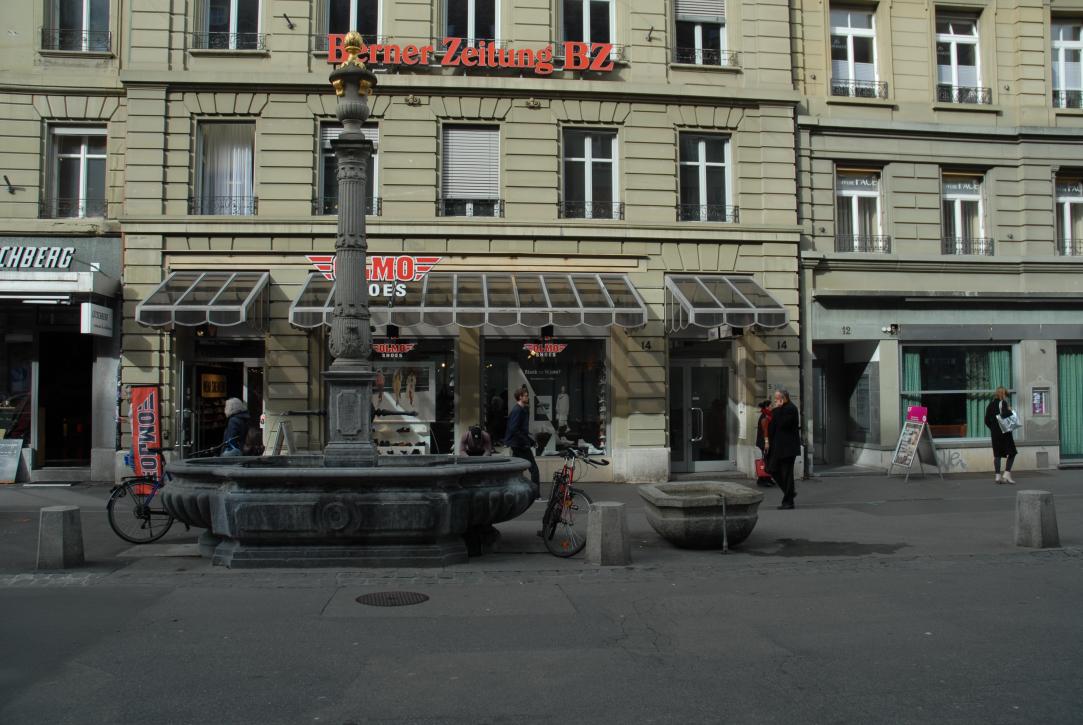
[(236, 427), (476, 442)]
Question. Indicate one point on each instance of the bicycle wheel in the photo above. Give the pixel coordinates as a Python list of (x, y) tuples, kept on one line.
[(132, 518), (564, 538)]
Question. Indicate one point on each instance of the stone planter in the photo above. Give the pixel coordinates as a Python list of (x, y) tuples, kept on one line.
[(689, 514)]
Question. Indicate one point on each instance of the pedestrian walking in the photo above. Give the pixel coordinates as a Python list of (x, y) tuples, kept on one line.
[(236, 433), (1003, 441), (763, 478), (783, 444), (517, 435)]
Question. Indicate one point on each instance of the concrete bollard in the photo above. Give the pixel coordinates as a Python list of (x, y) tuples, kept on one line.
[(608, 543), (60, 538), (1035, 520)]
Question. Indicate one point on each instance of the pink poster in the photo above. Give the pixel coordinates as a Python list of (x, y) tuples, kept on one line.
[(918, 413)]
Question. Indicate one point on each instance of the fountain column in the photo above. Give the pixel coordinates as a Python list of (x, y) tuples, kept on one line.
[(350, 376)]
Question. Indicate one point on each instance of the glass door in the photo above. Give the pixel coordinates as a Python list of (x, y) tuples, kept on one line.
[(699, 415)]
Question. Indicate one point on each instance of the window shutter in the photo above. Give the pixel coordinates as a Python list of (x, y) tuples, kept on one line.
[(330, 131), (471, 162), (713, 10)]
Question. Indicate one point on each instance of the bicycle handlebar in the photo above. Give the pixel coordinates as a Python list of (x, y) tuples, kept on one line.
[(581, 454)]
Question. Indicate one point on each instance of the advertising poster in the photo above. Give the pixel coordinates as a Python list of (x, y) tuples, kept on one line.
[(404, 391), (146, 430)]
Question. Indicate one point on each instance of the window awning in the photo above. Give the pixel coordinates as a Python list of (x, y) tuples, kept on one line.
[(223, 299), (474, 299), (708, 301)]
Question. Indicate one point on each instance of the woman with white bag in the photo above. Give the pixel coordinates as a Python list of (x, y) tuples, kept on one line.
[(1001, 420)]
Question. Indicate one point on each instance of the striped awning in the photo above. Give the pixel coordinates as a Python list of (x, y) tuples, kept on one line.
[(704, 300), (190, 299)]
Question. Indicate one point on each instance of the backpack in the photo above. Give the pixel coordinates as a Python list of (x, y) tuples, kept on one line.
[(475, 444)]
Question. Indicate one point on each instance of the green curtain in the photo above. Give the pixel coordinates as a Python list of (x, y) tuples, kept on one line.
[(1070, 378), (977, 379), (911, 379)]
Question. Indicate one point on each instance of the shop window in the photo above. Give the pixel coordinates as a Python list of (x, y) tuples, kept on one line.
[(1069, 215), (76, 183), (958, 68), (471, 20), (413, 396), (225, 164), (326, 202), (853, 54), (857, 212), (704, 192), (470, 171), (339, 17), (16, 376), (701, 33), (228, 25), (77, 25), (589, 21), (590, 175), (567, 385), (1067, 78), (956, 384), (962, 220)]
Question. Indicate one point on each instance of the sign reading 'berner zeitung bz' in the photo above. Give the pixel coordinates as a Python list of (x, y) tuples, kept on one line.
[(46, 257)]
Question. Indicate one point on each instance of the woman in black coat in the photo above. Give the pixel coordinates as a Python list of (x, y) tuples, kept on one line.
[(784, 445), (1003, 443)]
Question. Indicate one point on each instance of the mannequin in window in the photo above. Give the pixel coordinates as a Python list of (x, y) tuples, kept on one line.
[(564, 404)]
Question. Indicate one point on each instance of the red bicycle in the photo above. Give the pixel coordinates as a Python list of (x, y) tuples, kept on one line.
[(566, 505)]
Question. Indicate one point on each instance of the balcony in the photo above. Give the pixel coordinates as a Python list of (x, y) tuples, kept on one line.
[(320, 43), (708, 213), (965, 245), (591, 210), (470, 207), (865, 243), (1067, 99), (1070, 247), (223, 205), (322, 205), (710, 57), (963, 94), (229, 41), (849, 88), (76, 41), (76, 208)]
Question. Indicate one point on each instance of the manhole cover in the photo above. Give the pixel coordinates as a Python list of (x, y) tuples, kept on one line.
[(392, 599)]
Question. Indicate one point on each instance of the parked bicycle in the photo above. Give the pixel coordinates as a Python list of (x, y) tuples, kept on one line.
[(566, 506)]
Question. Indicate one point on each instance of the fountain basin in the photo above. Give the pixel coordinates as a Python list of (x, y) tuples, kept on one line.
[(689, 514), (292, 511)]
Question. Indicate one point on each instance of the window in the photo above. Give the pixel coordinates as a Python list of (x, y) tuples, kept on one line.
[(701, 33), (853, 54), (955, 383), (472, 19), (77, 25), (857, 212), (1067, 79), (470, 171), (704, 188), (327, 201), (589, 21), (590, 175), (958, 72), (224, 183), (76, 184), (364, 16), (228, 25), (962, 222), (1070, 215)]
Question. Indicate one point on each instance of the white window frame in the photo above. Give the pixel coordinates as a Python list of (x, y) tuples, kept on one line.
[(233, 21), (326, 149), (702, 164), (954, 41), (471, 21), (353, 17), (957, 199), (852, 196), (588, 172), (850, 32), (586, 20), (1065, 202), (201, 162), (1060, 47), (84, 155)]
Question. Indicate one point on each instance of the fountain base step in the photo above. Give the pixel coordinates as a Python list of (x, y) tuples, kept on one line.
[(237, 555)]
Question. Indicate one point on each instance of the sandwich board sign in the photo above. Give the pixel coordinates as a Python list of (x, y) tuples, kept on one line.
[(915, 443)]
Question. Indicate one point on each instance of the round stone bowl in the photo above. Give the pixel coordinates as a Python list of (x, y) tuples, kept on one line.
[(269, 511), (689, 514)]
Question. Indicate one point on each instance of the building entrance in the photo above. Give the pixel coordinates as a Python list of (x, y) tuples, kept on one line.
[(65, 389), (699, 415), (206, 386)]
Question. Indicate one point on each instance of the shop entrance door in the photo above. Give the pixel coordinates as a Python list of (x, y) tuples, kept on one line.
[(1070, 377), (207, 386), (699, 415), (65, 389)]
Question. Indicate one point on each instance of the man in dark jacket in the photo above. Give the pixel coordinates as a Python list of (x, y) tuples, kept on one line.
[(517, 435), (783, 444), (236, 434)]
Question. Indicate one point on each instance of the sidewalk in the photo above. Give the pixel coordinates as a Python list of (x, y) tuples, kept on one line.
[(845, 517)]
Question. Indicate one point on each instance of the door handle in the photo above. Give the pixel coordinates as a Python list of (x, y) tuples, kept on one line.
[(695, 438)]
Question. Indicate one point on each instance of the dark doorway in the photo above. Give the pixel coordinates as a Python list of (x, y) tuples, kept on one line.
[(66, 364)]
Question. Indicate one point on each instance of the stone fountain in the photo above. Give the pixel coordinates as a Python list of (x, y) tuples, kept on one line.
[(348, 506)]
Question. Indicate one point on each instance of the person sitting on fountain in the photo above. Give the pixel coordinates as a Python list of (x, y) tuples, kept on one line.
[(236, 427), (476, 442)]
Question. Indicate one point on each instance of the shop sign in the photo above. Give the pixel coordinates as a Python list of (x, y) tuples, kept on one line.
[(456, 53), (393, 349), (918, 413), (387, 275), (544, 349), (960, 186), (95, 320), (146, 430), (858, 182), (212, 386), (44, 257), (1070, 188)]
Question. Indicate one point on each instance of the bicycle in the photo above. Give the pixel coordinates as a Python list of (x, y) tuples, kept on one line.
[(565, 502)]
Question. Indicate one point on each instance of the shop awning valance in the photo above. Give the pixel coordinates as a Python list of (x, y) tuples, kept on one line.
[(708, 301), (223, 299), (474, 299)]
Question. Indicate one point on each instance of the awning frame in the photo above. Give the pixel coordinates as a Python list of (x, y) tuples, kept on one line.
[(251, 311), (682, 312)]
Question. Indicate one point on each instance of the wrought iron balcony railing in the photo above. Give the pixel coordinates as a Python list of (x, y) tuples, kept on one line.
[(858, 89), (591, 209), (707, 56), (470, 207), (963, 94), (874, 243), (708, 213), (320, 42), (1068, 99), (223, 205), (65, 207), (967, 245), (1070, 247), (329, 205), (229, 41), (82, 41)]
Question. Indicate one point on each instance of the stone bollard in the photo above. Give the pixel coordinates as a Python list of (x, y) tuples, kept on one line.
[(1035, 520), (60, 538), (608, 543)]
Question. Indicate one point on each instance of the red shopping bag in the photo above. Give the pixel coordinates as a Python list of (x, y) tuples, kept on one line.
[(761, 469)]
